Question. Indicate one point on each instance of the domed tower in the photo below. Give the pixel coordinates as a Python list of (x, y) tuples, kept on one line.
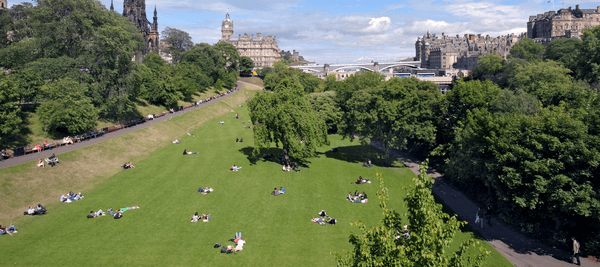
[(227, 29)]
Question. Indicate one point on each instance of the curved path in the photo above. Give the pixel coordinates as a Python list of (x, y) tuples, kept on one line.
[(517, 248), (88, 142)]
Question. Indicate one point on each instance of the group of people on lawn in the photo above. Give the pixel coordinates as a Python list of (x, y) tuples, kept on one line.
[(52, 161), (205, 217), (357, 197), (118, 214), (278, 192), (70, 197), (7, 230), (37, 210), (324, 219)]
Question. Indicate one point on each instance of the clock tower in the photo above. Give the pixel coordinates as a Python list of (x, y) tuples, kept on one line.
[(227, 29)]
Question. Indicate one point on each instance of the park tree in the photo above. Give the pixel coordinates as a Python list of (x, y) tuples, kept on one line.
[(66, 109), (208, 58), (528, 49), (161, 88), (431, 232), (489, 67), (285, 117), (549, 81), (395, 113), (565, 51), (309, 82), (326, 107), (189, 80), (178, 41), (246, 65), (588, 63), (10, 112)]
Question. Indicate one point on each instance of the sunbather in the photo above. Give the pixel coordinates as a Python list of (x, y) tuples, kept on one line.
[(185, 152), (195, 218), (176, 141)]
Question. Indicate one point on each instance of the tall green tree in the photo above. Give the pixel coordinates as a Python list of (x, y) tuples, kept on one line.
[(396, 113), (431, 233), (285, 117), (565, 51), (326, 107), (528, 49), (548, 81), (246, 65), (588, 63), (66, 110), (178, 41), (10, 112), (489, 67)]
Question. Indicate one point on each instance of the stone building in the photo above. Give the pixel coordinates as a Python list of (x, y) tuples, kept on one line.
[(263, 50), (564, 23), (293, 56), (135, 10), (3, 4), (456, 52)]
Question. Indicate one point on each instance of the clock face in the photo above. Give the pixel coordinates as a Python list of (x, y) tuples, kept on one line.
[(226, 26)]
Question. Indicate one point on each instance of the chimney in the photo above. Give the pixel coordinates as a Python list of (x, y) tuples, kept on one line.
[(576, 7)]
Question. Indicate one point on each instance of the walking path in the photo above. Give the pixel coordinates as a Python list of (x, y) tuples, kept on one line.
[(517, 248), (88, 142)]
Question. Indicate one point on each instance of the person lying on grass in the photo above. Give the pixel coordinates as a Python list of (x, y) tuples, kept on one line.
[(91, 215), (234, 168), (191, 134), (360, 180), (8, 230), (205, 191), (65, 199), (127, 166), (185, 152), (318, 220), (176, 141), (129, 208), (206, 217)]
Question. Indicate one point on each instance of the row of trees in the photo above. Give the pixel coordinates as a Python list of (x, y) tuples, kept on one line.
[(520, 135), (72, 60)]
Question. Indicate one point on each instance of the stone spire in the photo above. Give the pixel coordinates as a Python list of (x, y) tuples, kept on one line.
[(227, 17), (112, 7), (155, 22)]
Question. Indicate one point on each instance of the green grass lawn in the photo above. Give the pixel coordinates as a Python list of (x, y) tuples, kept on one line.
[(277, 229)]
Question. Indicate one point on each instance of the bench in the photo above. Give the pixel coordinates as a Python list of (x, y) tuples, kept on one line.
[(28, 149), (112, 129)]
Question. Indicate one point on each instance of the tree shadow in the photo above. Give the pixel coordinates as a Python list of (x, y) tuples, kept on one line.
[(357, 154), (273, 154)]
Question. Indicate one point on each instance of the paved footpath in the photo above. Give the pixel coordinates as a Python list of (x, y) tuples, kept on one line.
[(88, 142), (517, 248)]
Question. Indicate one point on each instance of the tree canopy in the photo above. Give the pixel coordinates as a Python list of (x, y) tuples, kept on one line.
[(286, 117), (178, 41)]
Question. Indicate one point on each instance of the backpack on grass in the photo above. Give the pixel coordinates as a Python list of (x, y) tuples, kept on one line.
[(217, 245)]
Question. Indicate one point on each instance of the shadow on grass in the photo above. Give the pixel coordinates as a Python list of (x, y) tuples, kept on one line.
[(357, 154), (276, 156)]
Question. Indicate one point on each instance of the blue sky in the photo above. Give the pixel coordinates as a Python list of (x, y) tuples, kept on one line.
[(344, 31)]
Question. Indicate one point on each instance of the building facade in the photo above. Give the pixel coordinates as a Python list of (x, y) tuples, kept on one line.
[(564, 23), (263, 50), (460, 52), (3, 4), (135, 10)]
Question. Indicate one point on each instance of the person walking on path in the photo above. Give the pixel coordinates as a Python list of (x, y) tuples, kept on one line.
[(479, 218), (575, 251)]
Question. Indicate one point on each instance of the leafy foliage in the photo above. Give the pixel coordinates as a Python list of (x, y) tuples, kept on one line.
[(178, 41), (10, 112), (431, 232), (528, 50), (286, 116)]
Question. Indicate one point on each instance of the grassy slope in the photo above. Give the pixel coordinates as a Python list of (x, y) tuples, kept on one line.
[(83, 169), (165, 183), (253, 80), (36, 128)]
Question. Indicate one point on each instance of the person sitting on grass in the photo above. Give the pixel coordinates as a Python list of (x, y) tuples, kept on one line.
[(176, 141), (54, 158), (332, 221), (295, 169), (206, 217), (322, 213), (118, 215), (275, 192), (65, 199), (234, 168), (240, 246), (40, 163), (284, 169), (364, 195), (185, 152), (195, 218), (281, 190)]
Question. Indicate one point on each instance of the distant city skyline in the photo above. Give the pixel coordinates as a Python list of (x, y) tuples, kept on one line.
[(348, 31)]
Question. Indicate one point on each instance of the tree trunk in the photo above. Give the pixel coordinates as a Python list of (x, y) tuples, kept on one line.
[(286, 158), (387, 155)]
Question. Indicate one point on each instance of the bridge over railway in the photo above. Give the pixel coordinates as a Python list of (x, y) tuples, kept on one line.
[(374, 67)]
